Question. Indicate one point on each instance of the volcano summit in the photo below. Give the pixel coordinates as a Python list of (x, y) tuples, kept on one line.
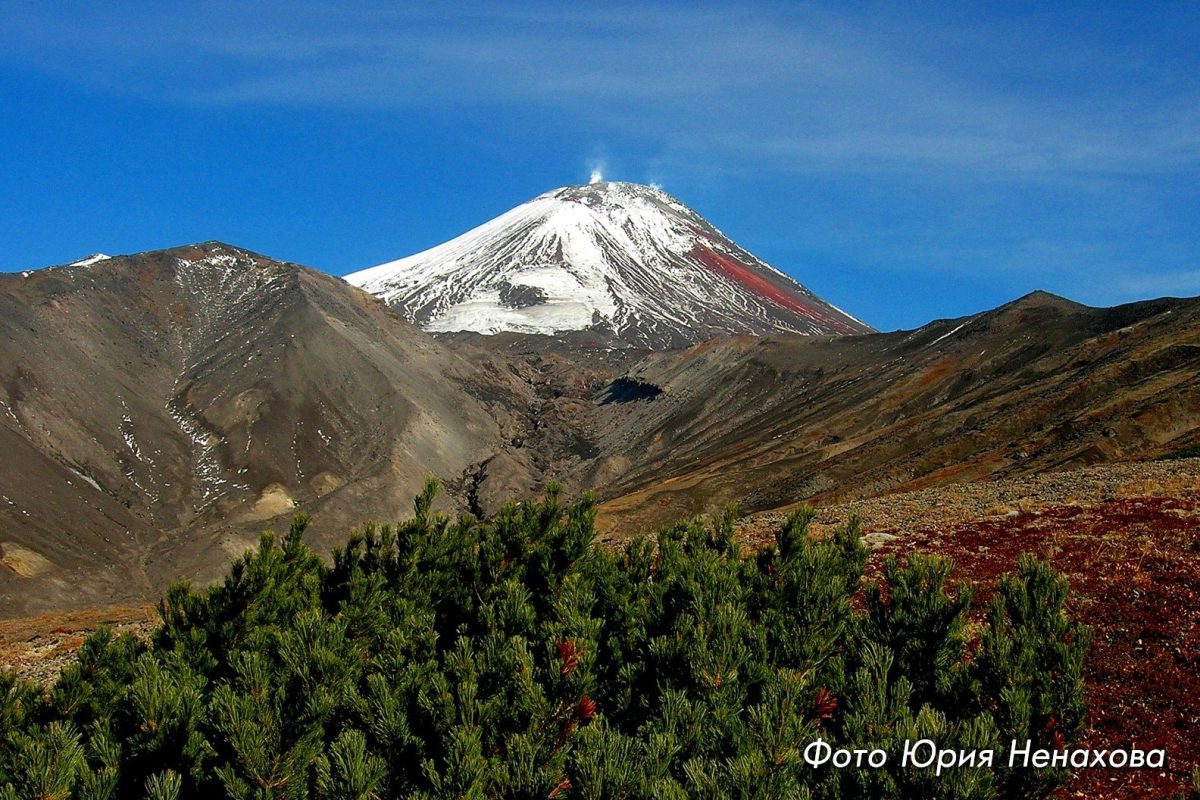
[(620, 258)]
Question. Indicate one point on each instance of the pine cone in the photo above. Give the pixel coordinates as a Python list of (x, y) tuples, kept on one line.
[(568, 656), (585, 709), (824, 704)]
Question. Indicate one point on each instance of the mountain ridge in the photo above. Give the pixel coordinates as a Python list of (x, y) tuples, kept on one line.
[(164, 406), (158, 410)]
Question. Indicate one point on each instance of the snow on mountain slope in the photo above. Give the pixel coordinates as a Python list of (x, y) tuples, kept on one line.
[(616, 257), (94, 258)]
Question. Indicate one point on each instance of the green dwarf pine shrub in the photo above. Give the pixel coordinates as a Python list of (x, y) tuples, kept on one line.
[(449, 658)]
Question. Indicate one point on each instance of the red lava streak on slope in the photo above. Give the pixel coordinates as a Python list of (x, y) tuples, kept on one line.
[(751, 280)]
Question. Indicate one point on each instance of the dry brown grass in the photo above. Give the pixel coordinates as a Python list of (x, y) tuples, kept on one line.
[(38, 647)]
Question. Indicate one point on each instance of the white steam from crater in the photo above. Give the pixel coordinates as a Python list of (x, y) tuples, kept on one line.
[(596, 164)]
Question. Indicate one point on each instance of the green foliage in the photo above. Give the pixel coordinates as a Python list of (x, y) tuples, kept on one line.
[(448, 658), (914, 617), (1031, 669)]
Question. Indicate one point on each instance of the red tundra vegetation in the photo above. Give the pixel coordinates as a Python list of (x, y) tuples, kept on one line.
[(1134, 568)]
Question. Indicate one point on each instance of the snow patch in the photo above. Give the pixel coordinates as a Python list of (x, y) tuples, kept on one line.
[(87, 478), (205, 446), (95, 258), (948, 334)]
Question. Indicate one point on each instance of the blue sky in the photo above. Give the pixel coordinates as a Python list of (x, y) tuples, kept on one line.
[(908, 161)]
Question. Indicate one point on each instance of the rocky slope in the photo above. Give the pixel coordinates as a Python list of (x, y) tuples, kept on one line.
[(620, 258), (156, 411), (1037, 385)]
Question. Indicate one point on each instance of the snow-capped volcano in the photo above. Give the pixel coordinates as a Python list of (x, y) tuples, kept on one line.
[(616, 257)]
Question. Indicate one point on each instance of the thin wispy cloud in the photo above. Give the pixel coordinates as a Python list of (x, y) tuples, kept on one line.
[(804, 91)]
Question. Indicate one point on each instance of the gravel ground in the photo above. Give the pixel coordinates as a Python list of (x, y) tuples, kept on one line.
[(948, 505), (37, 648)]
